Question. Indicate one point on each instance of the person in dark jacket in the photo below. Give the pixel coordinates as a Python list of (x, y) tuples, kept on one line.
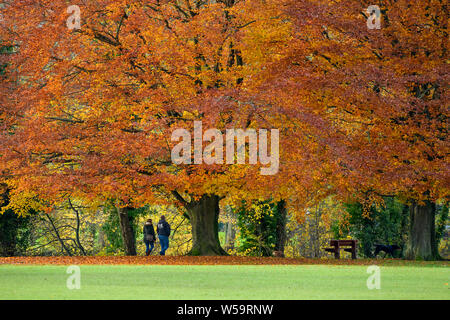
[(149, 236), (163, 229)]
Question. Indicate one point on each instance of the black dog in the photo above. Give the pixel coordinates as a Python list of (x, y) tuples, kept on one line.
[(387, 249)]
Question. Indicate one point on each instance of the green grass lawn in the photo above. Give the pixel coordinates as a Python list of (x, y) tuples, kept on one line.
[(224, 282)]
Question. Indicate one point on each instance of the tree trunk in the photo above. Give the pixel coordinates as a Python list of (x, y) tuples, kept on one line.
[(129, 242), (63, 246), (8, 235), (101, 239), (204, 218), (422, 235), (281, 227)]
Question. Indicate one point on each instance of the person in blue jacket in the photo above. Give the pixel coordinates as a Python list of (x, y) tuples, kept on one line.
[(163, 229)]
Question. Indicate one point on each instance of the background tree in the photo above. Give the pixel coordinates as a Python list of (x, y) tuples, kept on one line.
[(262, 228), (15, 232), (308, 234), (387, 225)]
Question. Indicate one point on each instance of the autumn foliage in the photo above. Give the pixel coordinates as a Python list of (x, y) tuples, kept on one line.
[(89, 112)]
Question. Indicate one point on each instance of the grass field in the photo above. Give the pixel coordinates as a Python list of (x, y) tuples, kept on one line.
[(189, 282)]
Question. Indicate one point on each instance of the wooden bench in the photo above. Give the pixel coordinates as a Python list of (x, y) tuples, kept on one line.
[(347, 245)]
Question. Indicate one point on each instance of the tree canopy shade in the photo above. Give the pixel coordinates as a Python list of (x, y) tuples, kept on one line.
[(89, 112)]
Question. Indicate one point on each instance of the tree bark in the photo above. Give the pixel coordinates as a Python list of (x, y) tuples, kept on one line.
[(204, 218), (422, 234), (281, 227), (129, 242)]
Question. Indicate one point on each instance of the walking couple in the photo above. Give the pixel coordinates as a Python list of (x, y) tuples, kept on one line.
[(163, 230)]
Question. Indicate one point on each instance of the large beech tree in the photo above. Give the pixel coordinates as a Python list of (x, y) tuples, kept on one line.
[(91, 110), (385, 93)]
